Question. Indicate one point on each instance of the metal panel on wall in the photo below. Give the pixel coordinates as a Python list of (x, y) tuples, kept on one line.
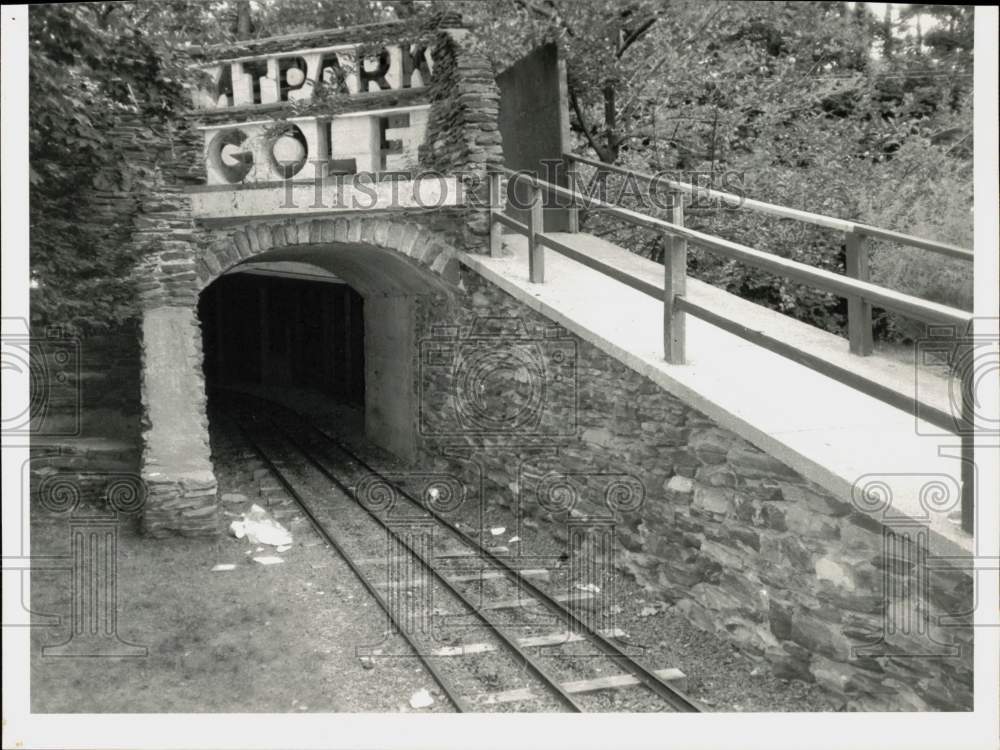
[(534, 125)]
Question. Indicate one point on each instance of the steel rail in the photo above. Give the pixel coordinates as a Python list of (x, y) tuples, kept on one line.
[(450, 691), (537, 669), (668, 693), (671, 695)]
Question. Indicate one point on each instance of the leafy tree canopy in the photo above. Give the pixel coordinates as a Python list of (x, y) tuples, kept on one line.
[(824, 106)]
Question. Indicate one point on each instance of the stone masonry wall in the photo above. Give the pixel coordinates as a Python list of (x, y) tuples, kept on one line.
[(177, 257), (85, 409), (731, 537), (463, 135)]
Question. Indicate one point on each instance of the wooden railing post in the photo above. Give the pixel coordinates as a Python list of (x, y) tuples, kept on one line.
[(536, 260), (572, 213), (674, 286), (967, 453), (496, 202), (859, 310)]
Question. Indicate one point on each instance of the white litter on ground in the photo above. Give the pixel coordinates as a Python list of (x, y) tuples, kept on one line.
[(513, 539), (259, 527), (224, 566), (284, 548), (498, 530), (268, 560), (589, 587), (421, 699)]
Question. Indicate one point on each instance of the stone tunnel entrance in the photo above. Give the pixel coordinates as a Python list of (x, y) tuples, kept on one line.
[(332, 320), (324, 306)]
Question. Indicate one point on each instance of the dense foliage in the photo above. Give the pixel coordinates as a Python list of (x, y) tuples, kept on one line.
[(92, 68), (818, 105)]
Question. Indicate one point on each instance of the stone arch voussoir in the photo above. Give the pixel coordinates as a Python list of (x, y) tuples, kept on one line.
[(425, 247)]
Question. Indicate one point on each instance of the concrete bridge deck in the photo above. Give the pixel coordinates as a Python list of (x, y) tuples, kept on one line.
[(831, 433)]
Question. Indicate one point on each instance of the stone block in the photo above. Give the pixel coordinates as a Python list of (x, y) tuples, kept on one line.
[(278, 238), (242, 244), (749, 635), (817, 502), (790, 662), (745, 536), (200, 512), (749, 463), (779, 616), (846, 572), (725, 556), (380, 234), (395, 234), (696, 614), (253, 240), (820, 637), (711, 444), (716, 475), (367, 231), (599, 436), (679, 485), (797, 554), (315, 232), (773, 516), (714, 500), (808, 523), (868, 691), (853, 536), (354, 230)]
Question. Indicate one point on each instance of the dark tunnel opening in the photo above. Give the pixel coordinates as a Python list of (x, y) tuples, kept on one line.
[(278, 334)]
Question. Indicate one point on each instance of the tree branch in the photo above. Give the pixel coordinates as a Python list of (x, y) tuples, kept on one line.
[(584, 126), (634, 36)]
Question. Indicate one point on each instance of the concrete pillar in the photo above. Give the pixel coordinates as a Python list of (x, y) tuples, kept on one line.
[(390, 403), (176, 463)]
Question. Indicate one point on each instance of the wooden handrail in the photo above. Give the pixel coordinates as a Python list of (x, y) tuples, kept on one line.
[(783, 212), (929, 312), (859, 292)]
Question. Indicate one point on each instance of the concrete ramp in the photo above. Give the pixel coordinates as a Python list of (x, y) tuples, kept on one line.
[(829, 432)]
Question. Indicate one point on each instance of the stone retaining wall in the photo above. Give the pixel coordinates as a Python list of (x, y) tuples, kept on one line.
[(727, 534)]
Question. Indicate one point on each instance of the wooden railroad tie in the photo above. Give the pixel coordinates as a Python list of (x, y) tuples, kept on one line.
[(552, 639), (486, 575), (674, 677)]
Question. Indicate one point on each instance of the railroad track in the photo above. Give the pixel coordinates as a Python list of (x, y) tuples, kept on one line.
[(466, 628)]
